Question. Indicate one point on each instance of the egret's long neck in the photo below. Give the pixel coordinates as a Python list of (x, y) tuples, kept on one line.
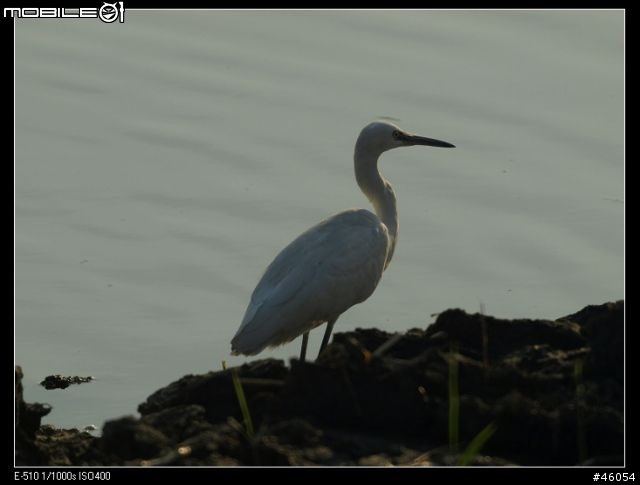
[(377, 190)]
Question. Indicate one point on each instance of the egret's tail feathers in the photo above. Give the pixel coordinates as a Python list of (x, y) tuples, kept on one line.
[(241, 345), (253, 338)]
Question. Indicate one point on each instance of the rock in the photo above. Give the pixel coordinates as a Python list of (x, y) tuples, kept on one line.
[(62, 382), (27, 423), (27, 416), (129, 438), (603, 328), (214, 391)]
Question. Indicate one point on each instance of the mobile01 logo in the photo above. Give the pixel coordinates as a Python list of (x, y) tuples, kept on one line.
[(108, 13)]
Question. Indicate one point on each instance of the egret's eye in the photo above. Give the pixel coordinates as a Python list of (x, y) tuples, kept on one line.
[(396, 134)]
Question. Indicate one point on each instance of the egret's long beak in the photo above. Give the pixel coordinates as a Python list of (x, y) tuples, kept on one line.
[(421, 140)]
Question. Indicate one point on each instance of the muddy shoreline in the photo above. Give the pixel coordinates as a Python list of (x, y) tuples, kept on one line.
[(550, 391)]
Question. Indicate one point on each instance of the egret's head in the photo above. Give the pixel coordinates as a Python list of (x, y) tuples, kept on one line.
[(380, 136)]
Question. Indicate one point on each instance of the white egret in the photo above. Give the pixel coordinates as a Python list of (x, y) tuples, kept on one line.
[(333, 265)]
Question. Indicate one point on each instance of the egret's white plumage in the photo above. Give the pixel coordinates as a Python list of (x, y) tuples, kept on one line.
[(333, 265)]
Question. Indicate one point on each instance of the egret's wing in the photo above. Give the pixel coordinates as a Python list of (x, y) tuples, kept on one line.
[(322, 273)]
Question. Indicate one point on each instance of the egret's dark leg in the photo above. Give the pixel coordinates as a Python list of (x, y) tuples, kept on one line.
[(327, 334), (303, 350)]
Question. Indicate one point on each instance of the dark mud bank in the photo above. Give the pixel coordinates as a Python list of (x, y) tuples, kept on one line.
[(552, 389)]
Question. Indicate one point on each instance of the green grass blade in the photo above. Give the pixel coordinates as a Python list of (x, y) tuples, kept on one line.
[(242, 400), (477, 443)]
